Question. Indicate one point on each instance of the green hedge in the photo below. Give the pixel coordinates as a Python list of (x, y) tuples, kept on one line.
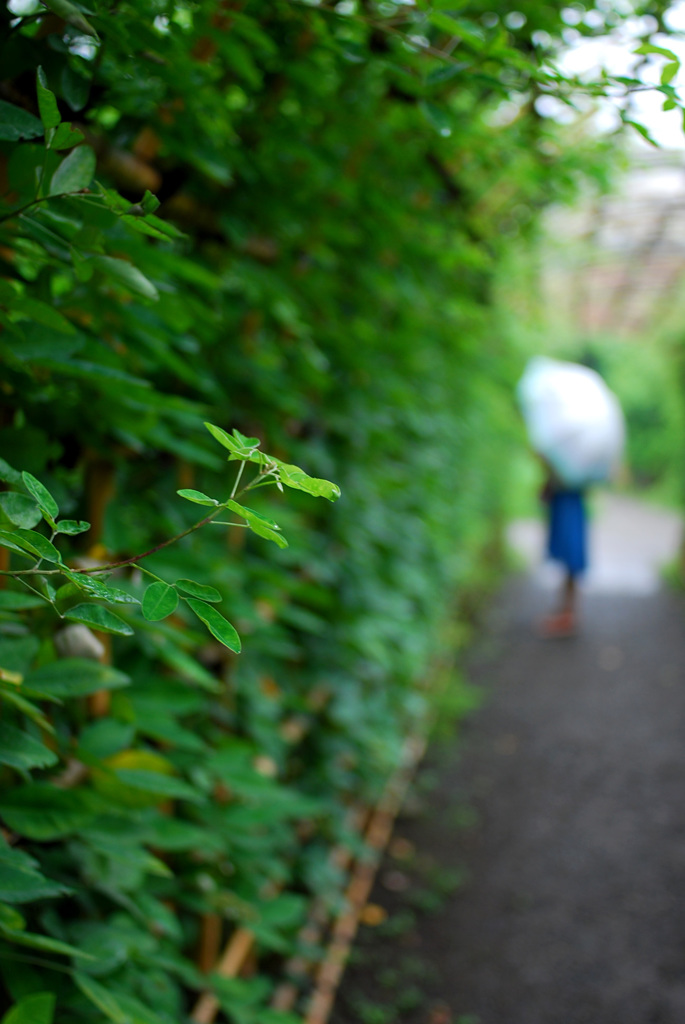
[(336, 192)]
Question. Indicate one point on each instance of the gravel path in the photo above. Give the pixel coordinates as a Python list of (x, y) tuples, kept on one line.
[(572, 777)]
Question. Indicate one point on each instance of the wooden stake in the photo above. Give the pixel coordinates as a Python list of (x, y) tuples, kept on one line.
[(211, 927), (241, 943), (100, 487), (345, 927), (100, 701), (298, 967), (229, 966)]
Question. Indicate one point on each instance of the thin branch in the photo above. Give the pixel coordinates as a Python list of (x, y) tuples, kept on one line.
[(43, 572), (383, 27), (37, 592), (115, 565), (151, 551), (237, 480), (35, 202), (155, 549)]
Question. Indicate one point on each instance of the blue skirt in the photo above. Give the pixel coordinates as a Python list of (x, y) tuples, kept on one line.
[(567, 530)]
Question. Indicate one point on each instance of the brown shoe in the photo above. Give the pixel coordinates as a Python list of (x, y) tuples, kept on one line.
[(563, 624)]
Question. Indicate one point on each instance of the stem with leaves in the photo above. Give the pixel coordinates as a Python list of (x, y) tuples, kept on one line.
[(160, 598)]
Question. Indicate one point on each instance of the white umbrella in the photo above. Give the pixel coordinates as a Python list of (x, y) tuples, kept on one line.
[(574, 421)]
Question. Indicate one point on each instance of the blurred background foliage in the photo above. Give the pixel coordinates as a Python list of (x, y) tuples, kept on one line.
[(598, 298), (296, 219)]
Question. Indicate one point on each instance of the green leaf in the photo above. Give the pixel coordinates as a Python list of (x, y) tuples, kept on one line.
[(199, 590), (446, 73), (31, 542), (246, 442), (47, 104), (17, 652), (263, 531), (73, 677), (669, 72), (235, 445), (95, 587), (43, 942), (38, 1008), (184, 664), (71, 14), (97, 617), (9, 475), (21, 882), (647, 48), (438, 117), (42, 313), (168, 730), (13, 601), (11, 918), (75, 88), (196, 496), (20, 509), (258, 523), (153, 226), (458, 27), (44, 812), (46, 502), (146, 225), (117, 1007), (16, 123), (159, 600), (167, 833), (149, 202), (45, 548), (26, 708), (125, 273), (66, 137), (74, 173), (159, 784), (643, 131), (105, 737), (20, 750), (7, 541), (72, 526), (293, 476), (250, 514), (217, 625), (104, 1000)]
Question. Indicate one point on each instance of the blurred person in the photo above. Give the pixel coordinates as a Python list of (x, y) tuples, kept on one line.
[(576, 427), (567, 544)]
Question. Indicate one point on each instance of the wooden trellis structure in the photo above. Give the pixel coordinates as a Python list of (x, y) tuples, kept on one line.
[(316, 982), (621, 258)]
